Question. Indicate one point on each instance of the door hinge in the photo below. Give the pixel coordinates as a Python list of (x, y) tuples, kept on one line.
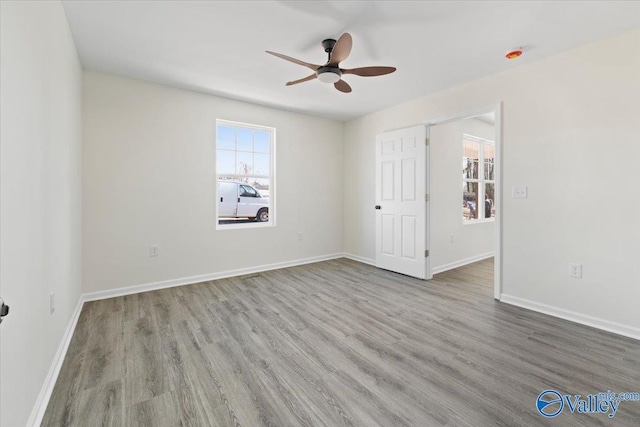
[(426, 253), (4, 309), (426, 197), (426, 141)]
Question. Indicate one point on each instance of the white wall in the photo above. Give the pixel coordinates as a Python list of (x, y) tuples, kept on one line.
[(40, 218), (149, 178), (471, 240), (571, 127)]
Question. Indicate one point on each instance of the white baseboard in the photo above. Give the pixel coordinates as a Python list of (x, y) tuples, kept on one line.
[(460, 263), (40, 407), (359, 259), (135, 289), (572, 316)]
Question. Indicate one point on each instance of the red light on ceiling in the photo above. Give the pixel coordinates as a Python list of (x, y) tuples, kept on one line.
[(513, 54)]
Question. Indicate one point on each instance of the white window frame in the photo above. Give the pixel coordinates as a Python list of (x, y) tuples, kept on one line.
[(271, 177), (481, 180)]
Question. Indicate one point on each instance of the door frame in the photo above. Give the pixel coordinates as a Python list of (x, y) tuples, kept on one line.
[(497, 258)]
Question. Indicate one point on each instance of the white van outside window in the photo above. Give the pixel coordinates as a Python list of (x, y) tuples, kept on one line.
[(241, 201), (245, 190)]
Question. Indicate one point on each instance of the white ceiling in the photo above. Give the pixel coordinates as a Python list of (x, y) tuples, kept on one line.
[(218, 47)]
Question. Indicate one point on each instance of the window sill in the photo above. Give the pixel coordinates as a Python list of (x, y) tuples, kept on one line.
[(478, 221), (243, 225)]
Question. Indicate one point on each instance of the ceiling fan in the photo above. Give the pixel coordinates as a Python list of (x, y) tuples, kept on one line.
[(331, 72)]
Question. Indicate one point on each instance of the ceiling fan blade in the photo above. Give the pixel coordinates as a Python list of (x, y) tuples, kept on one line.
[(342, 86), (294, 60), (306, 79), (369, 71), (341, 50)]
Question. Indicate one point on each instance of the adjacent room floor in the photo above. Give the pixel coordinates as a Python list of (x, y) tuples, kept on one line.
[(333, 343)]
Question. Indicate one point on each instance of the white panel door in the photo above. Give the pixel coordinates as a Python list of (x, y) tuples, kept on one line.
[(401, 206)]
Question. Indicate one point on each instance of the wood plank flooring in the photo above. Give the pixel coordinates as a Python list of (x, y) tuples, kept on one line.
[(335, 343)]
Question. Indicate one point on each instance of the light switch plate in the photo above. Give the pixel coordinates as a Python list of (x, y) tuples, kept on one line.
[(520, 192)]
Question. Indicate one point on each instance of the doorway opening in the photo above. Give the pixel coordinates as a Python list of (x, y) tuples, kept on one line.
[(464, 213)]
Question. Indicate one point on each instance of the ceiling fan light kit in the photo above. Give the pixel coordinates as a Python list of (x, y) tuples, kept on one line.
[(331, 72), (328, 74)]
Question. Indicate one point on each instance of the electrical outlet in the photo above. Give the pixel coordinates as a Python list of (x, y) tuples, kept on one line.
[(300, 236), (519, 192), (52, 302), (154, 250), (575, 271)]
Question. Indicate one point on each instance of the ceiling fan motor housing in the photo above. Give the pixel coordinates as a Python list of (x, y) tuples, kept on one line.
[(328, 74), (328, 45)]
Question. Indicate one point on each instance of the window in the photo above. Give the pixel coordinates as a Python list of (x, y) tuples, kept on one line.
[(245, 175), (478, 179)]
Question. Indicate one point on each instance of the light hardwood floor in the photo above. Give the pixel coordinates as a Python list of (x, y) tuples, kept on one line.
[(330, 344)]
